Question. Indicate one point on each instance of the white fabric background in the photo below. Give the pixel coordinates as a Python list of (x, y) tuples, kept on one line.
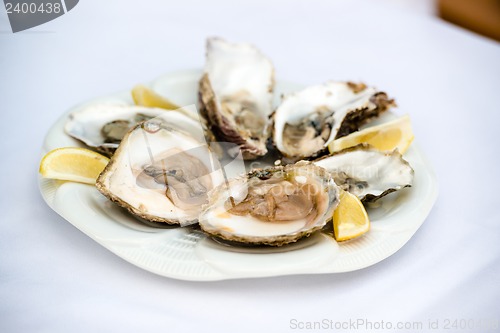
[(53, 278)]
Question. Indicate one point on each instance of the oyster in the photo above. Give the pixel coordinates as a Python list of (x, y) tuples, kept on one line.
[(162, 170), (272, 206), (308, 120), (236, 95), (368, 173), (102, 126)]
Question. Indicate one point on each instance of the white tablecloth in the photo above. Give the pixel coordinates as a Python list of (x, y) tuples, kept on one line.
[(53, 278)]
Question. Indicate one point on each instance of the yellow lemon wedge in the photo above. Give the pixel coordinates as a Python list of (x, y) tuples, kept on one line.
[(350, 219), (74, 164), (384, 137), (145, 96)]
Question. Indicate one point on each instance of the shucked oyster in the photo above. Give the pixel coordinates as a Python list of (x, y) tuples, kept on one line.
[(273, 206), (236, 95), (162, 170), (102, 126), (368, 173), (308, 120)]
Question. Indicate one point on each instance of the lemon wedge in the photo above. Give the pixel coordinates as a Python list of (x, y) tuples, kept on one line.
[(350, 219), (384, 137), (145, 96), (74, 164)]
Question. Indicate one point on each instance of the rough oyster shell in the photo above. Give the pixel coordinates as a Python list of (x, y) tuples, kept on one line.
[(368, 173), (272, 206), (236, 95), (307, 121)]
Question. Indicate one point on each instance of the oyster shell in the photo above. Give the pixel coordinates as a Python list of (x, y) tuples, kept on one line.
[(236, 95), (272, 206), (102, 126), (308, 120), (162, 171), (368, 173)]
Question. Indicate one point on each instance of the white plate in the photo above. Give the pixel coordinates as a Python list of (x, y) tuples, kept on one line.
[(187, 254)]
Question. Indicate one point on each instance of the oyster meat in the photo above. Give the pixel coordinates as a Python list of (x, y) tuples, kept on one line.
[(235, 94), (308, 120), (102, 126), (368, 173), (272, 206), (162, 170)]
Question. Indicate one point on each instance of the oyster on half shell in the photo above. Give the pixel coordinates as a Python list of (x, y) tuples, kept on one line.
[(235, 94), (308, 120), (162, 171), (368, 173), (272, 206), (102, 126)]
